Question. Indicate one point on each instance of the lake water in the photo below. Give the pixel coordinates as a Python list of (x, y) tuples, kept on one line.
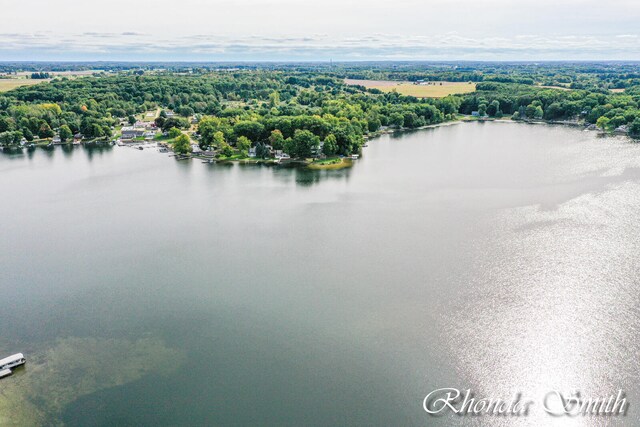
[(498, 257)]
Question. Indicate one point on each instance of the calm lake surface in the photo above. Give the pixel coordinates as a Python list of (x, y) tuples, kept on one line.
[(498, 257)]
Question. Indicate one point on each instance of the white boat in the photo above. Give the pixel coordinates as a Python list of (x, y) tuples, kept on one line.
[(354, 157), (5, 373), (12, 361)]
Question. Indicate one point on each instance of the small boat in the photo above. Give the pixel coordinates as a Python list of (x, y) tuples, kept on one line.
[(5, 373), (354, 157), (11, 362), (140, 148)]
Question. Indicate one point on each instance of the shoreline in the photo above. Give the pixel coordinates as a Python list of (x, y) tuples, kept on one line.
[(346, 161)]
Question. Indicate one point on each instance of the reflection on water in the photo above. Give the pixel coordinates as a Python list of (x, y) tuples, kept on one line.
[(497, 257)]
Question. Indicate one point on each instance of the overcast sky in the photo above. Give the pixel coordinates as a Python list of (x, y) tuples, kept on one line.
[(215, 30)]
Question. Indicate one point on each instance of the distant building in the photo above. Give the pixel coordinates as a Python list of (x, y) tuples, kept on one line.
[(130, 132), (623, 130), (317, 152)]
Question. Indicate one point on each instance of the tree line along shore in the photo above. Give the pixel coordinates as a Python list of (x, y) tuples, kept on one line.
[(307, 112)]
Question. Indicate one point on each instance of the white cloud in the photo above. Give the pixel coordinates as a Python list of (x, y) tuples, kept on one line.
[(342, 29)]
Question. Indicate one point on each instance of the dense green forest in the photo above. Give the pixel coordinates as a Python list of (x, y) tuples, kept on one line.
[(301, 107)]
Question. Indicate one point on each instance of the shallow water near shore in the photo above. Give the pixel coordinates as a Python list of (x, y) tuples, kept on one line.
[(497, 257)]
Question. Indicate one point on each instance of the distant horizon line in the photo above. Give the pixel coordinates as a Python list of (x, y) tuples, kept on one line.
[(312, 61)]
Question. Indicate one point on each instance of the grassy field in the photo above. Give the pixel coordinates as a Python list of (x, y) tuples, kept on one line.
[(432, 90), (8, 84), (149, 116)]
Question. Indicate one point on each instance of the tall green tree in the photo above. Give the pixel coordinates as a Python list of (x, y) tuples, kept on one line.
[(330, 146), (174, 133), (276, 139), (603, 122), (274, 99), (634, 128), (182, 145), (302, 144), (243, 144), (65, 133)]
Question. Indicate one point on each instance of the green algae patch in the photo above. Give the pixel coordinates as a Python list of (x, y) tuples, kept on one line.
[(75, 367)]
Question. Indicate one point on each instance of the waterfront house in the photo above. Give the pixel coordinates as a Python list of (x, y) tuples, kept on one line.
[(56, 139), (621, 130), (130, 132), (252, 152)]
